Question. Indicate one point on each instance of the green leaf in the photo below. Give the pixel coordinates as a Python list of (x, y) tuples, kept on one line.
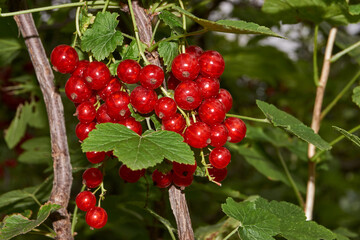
[(165, 222), (138, 152), (355, 139), (344, 234), (229, 26), (172, 21), (291, 124), (356, 96), (131, 51), (17, 224), (37, 151), (113, 67), (86, 20), (168, 51), (103, 38), (354, 9), (10, 49)]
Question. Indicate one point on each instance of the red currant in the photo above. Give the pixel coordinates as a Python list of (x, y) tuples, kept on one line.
[(225, 97), (117, 105), (102, 115), (197, 135), (185, 67), (165, 107), (187, 95), (77, 90), (81, 68), (175, 123), (184, 170), (97, 75), (112, 86), (236, 128), (196, 51), (130, 176), (209, 87), (172, 82), (151, 76), (143, 100), (64, 59), (220, 157), (211, 64), (132, 124), (96, 217), (128, 71), (219, 135), (85, 200), (92, 177), (95, 157), (212, 111), (86, 112), (218, 174), (82, 130), (161, 180), (182, 181)]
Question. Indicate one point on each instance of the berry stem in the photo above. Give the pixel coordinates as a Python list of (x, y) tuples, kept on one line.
[(232, 233), (159, 9), (154, 31), (207, 174), (148, 123), (248, 118), (106, 5), (74, 218), (102, 195), (77, 20)]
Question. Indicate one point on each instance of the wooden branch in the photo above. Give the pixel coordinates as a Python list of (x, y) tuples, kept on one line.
[(315, 124), (176, 196), (61, 160)]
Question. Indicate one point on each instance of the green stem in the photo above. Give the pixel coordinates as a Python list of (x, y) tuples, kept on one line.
[(136, 30), (315, 66), (77, 17), (128, 36), (148, 123), (74, 220), (163, 90), (232, 233), (106, 5), (154, 32), (184, 26), (159, 9), (153, 47), (248, 118), (345, 51), (35, 199), (291, 180), (337, 98), (66, 5)]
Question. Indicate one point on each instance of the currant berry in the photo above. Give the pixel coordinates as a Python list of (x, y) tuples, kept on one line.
[(212, 111), (96, 217), (151, 76), (143, 100), (95, 157), (165, 107), (85, 201), (97, 75), (182, 181), (77, 90), (218, 174), (184, 170), (161, 180), (81, 68), (209, 87), (82, 130), (211, 64), (64, 59), (185, 67), (128, 71), (220, 157), (117, 105), (92, 177), (197, 135), (102, 115), (86, 112), (187, 95), (172, 82), (219, 135), (175, 123), (236, 128), (132, 124), (130, 176), (112, 86), (196, 51), (225, 97)]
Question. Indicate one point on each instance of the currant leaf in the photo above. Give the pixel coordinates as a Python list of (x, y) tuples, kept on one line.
[(138, 152), (168, 51), (172, 21), (102, 38), (355, 139)]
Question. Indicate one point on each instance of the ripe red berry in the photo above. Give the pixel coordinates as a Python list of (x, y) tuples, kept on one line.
[(86, 112), (218, 174), (212, 111), (112, 86), (185, 67), (81, 68), (82, 130), (236, 128), (151, 76), (128, 71), (187, 95), (175, 123), (64, 59), (161, 180), (143, 100), (102, 115), (97, 75), (77, 90), (211, 64), (219, 135), (92, 177), (184, 170), (132, 124), (165, 107), (96, 217), (225, 97), (196, 51), (130, 176), (182, 181), (117, 105), (85, 200), (220, 157), (197, 135), (209, 87), (172, 82), (95, 157)]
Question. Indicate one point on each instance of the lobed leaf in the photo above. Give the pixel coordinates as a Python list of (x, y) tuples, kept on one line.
[(172, 21), (168, 51)]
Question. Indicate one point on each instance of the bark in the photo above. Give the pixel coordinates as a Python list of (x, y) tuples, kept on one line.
[(60, 153)]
